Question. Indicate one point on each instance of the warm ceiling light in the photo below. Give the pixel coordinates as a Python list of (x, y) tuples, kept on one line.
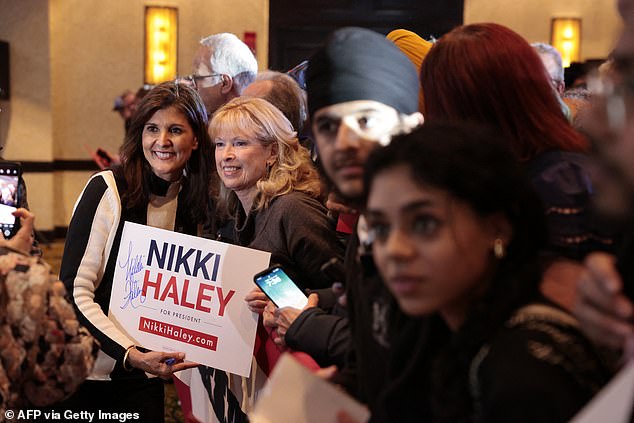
[(565, 36), (161, 31)]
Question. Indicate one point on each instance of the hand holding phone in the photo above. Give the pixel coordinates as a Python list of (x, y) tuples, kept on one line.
[(9, 197), (280, 288), (284, 317), (23, 239), (105, 156)]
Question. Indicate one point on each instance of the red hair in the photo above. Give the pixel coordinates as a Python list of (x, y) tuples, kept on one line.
[(488, 74)]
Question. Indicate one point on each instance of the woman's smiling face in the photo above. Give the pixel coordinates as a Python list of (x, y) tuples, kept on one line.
[(168, 141), (241, 159)]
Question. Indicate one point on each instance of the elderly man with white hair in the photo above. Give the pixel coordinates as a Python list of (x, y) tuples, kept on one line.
[(222, 68), (553, 64)]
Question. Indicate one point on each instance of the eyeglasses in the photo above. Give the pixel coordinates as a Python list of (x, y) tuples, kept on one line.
[(194, 80), (371, 125)]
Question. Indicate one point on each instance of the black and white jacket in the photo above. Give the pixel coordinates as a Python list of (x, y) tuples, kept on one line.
[(90, 254)]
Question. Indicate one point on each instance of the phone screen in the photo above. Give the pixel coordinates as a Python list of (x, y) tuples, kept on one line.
[(281, 289), (8, 198)]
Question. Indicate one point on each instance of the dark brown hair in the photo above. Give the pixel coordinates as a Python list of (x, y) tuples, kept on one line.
[(199, 168)]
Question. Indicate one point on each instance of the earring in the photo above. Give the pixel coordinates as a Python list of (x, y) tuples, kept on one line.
[(499, 250)]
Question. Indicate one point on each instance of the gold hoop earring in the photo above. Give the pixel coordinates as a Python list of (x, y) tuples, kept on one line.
[(499, 251)]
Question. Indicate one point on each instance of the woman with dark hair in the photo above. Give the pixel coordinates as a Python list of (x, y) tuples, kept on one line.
[(462, 241), (163, 181), (488, 74)]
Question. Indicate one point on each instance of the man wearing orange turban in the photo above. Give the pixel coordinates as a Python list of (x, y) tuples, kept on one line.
[(415, 48)]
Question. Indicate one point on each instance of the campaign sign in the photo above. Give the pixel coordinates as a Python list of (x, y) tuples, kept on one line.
[(176, 292)]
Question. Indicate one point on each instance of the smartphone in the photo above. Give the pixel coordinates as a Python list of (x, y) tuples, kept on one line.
[(105, 156), (280, 288), (9, 179)]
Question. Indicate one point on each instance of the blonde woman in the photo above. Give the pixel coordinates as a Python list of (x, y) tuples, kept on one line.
[(271, 193), (271, 189)]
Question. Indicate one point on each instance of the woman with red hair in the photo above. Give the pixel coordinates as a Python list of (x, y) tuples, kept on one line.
[(488, 74)]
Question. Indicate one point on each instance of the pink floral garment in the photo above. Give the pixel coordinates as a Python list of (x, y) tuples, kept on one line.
[(44, 352)]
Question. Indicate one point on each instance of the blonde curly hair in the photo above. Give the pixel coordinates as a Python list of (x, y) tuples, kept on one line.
[(292, 170)]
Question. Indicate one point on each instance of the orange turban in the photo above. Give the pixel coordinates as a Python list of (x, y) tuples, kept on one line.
[(415, 48)]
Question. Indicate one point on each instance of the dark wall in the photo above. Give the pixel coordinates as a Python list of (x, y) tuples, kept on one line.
[(297, 27), (4, 70)]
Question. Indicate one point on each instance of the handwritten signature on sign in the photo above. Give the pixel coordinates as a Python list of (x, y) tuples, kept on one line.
[(133, 266)]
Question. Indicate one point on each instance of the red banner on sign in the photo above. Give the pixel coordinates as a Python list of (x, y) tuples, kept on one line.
[(178, 333)]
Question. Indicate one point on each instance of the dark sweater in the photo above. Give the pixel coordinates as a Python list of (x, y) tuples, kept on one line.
[(360, 343), (539, 367), (295, 229), (563, 181)]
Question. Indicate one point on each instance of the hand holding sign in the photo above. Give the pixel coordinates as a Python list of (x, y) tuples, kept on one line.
[(158, 363), (180, 294)]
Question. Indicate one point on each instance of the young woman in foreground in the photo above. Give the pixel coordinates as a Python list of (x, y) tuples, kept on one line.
[(462, 240)]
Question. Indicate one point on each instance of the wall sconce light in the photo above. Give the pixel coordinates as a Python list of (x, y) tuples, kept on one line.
[(565, 36), (161, 31)]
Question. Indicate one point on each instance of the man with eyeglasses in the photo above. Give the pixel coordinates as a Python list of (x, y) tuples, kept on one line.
[(553, 64), (222, 68), (605, 304)]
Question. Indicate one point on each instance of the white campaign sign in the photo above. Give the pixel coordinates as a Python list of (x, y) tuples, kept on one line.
[(176, 292), (614, 402), (294, 395)]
